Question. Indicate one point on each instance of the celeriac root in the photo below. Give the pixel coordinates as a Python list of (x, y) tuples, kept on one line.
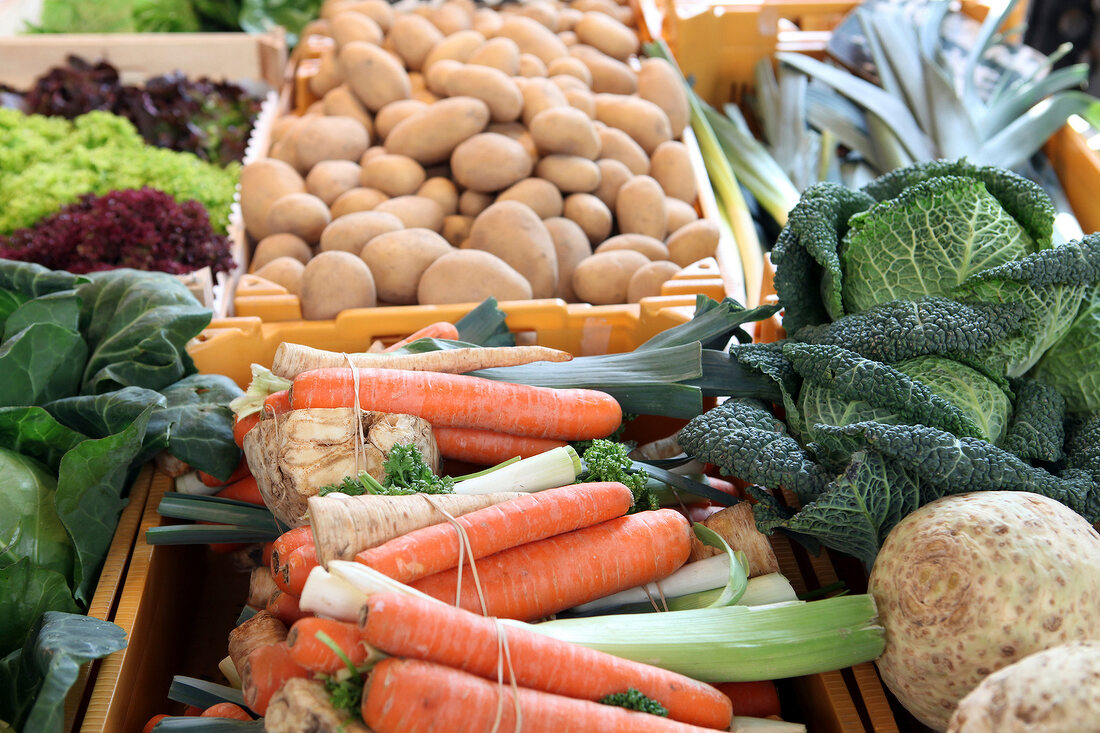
[(293, 359), (302, 706)]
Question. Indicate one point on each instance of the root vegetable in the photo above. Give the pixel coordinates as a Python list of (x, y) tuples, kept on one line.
[(393, 175), (330, 179), (571, 246), (640, 208), (261, 630), (357, 199), (647, 280), (284, 271), (294, 359), (515, 234), (470, 276), (303, 704), (692, 242), (737, 527), (335, 281), (538, 194), (653, 249), (300, 214), (352, 232), (488, 448), (490, 162), (398, 259), (265, 671)]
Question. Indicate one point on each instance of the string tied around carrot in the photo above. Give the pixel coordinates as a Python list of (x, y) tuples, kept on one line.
[(464, 548), (504, 656), (360, 435)]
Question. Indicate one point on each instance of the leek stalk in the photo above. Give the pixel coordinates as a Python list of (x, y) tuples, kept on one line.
[(549, 470)]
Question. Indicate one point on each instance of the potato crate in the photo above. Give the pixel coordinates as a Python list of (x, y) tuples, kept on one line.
[(256, 62)]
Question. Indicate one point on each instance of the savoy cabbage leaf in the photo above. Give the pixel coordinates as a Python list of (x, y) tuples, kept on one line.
[(1037, 429), (1072, 364)]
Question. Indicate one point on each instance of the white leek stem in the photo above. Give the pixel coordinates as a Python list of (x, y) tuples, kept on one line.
[(742, 724), (550, 470), (327, 595), (708, 574)]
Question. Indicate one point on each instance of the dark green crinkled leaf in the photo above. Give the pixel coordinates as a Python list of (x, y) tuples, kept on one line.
[(808, 276), (1073, 263), (903, 329), (29, 524), (33, 432), (768, 359), (32, 281), (26, 592), (1082, 447), (91, 480), (743, 439), (771, 516), (138, 325), (64, 644), (1036, 431), (61, 308), (42, 362)]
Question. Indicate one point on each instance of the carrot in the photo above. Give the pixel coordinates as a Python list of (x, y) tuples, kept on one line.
[(410, 696), (297, 567), (407, 626), (242, 425), (245, 489), (191, 711), (488, 448), (437, 330), (527, 518), (275, 403), (310, 652), (260, 630), (266, 556), (294, 359), (153, 723), (455, 400), (238, 473), (265, 671), (544, 577), (752, 699), (226, 710), (287, 543), (285, 607)]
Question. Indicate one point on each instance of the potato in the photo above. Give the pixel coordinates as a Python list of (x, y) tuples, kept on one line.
[(517, 132), (279, 245), (426, 97), (348, 27), (569, 66), (431, 135), (607, 35), (490, 162), (470, 276), (571, 246), (414, 212), (357, 199), (585, 101), (370, 154), (617, 145), (608, 75), (377, 10), (284, 271), (330, 179), (491, 86), (539, 195), (329, 138), (436, 79), (262, 184), (566, 131), (640, 208), (671, 167), (644, 121), (456, 228), (329, 74), (543, 12), (570, 173), (569, 38), (647, 280), (375, 76), (350, 233), (531, 66), (283, 126), (451, 18), (613, 174), (604, 278), (567, 19), (413, 38), (472, 203), (301, 214), (398, 259), (653, 249), (458, 47), (487, 22), (540, 95), (342, 102), (513, 232), (590, 214), (318, 27), (659, 82), (532, 37), (692, 242), (566, 83), (334, 282), (608, 7), (393, 175), (442, 191), (679, 214), (497, 53), (388, 117)]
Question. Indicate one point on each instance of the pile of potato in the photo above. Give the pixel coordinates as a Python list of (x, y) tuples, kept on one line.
[(457, 152)]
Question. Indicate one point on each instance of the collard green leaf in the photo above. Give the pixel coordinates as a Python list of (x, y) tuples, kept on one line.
[(30, 526), (1072, 364), (18, 684), (101, 415), (26, 592), (90, 483), (138, 325), (61, 308), (33, 432), (64, 644), (42, 362), (1037, 429), (200, 425), (9, 302), (32, 281)]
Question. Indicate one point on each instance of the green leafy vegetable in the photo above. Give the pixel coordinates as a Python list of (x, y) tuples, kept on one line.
[(259, 16), (405, 473), (1037, 430), (42, 362), (632, 699), (1071, 363), (35, 433), (606, 460), (26, 592), (30, 526)]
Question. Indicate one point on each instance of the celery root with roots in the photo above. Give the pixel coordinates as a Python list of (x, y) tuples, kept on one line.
[(293, 359)]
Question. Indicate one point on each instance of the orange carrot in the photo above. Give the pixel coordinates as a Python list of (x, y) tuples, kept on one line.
[(310, 652), (287, 543), (238, 473), (226, 710), (457, 400), (242, 425), (438, 330), (245, 489), (297, 567), (269, 547), (752, 699), (488, 448), (265, 671), (524, 519), (153, 723), (192, 711), (284, 607), (275, 403), (410, 696), (541, 578), (407, 626)]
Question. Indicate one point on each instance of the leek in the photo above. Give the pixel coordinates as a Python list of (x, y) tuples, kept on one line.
[(741, 724), (263, 383), (549, 470), (736, 643)]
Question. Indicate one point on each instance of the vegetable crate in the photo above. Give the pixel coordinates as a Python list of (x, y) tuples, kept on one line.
[(719, 44), (256, 62)]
